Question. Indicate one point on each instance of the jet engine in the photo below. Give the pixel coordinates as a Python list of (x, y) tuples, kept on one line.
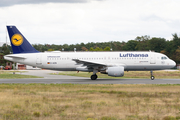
[(114, 71)]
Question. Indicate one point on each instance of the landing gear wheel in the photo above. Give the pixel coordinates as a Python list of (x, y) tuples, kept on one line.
[(93, 77), (152, 77)]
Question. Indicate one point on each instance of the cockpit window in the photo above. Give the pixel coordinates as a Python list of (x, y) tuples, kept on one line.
[(164, 58)]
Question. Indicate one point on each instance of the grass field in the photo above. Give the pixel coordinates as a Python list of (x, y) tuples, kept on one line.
[(10, 75), (89, 102), (130, 74)]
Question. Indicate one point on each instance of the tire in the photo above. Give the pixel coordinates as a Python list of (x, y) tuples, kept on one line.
[(93, 77), (152, 77)]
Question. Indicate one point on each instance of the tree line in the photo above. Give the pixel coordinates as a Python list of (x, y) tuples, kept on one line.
[(171, 48)]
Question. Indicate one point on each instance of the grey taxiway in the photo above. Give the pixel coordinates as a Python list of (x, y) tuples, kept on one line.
[(62, 79)]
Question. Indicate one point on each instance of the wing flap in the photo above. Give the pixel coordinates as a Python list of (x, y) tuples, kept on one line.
[(93, 64)]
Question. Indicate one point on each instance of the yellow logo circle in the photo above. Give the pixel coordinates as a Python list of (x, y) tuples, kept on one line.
[(17, 39)]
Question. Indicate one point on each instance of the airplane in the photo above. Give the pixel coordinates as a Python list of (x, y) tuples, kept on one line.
[(110, 63)]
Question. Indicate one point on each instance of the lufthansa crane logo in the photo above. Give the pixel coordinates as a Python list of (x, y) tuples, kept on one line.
[(17, 39)]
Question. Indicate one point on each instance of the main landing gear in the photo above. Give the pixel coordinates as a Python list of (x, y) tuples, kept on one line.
[(152, 77), (94, 77)]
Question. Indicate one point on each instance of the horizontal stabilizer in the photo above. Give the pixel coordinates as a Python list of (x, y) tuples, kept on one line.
[(13, 56)]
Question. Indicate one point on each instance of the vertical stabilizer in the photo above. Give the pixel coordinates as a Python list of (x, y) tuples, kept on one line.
[(19, 43)]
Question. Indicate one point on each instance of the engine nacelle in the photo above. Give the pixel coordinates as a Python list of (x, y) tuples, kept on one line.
[(115, 71)]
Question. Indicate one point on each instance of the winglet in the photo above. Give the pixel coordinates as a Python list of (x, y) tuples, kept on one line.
[(19, 43)]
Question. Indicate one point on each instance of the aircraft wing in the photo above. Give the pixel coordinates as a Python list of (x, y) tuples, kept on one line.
[(92, 64), (89, 64)]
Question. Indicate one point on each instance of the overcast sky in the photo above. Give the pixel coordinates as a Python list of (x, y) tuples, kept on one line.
[(77, 21)]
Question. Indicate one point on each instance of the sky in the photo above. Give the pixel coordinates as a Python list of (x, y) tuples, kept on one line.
[(82, 21)]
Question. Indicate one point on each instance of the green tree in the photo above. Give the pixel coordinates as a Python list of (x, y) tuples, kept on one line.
[(91, 49), (176, 42), (84, 49), (142, 43), (5, 49), (66, 47), (157, 44), (2, 60), (176, 55), (98, 49), (130, 45), (50, 49), (107, 49)]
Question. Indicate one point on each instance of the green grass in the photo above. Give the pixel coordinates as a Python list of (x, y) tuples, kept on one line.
[(10, 75), (130, 74), (89, 102)]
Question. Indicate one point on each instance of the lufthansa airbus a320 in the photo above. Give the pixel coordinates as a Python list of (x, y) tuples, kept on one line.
[(110, 63)]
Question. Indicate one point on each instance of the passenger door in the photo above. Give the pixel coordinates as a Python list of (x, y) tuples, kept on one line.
[(38, 60), (152, 58)]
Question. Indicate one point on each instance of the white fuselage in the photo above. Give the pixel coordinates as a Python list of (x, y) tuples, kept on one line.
[(63, 61)]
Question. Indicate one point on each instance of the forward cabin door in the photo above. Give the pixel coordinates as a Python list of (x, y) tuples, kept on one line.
[(152, 58)]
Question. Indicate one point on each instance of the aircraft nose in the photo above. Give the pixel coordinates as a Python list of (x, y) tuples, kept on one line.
[(173, 63)]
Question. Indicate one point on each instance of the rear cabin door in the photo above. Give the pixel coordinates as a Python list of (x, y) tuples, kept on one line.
[(39, 60)]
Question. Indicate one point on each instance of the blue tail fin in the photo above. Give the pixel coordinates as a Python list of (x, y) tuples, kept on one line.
[(19, 43)]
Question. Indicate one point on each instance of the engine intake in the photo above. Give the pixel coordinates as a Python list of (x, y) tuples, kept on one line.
[(115, 71)]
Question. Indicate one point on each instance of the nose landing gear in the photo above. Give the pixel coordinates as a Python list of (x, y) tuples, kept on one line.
[(152, 77)]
